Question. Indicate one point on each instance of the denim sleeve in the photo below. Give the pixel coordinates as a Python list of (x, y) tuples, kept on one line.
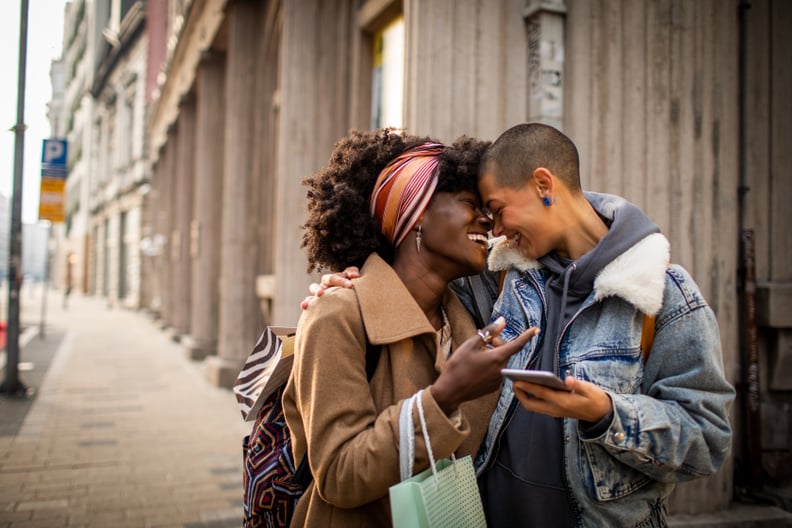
[(678, 427)]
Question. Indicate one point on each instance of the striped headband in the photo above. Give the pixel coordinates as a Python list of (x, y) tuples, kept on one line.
[(403, 190)]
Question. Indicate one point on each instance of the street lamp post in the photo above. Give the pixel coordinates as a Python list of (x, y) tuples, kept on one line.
[(12, 385)]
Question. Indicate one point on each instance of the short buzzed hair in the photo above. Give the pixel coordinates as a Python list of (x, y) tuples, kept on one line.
[(519, 151)]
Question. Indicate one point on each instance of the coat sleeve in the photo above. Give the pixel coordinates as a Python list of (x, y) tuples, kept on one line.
[(678, 427), (352, 449)]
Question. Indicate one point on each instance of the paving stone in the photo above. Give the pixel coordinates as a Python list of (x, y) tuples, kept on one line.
[(55, 517), (13, 516), (37, 523), (38, 505)]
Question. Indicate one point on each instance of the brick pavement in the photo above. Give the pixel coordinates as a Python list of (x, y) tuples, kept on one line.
[(122, 431)]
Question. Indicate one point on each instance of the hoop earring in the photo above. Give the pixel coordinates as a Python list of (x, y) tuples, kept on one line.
[(418, 239)]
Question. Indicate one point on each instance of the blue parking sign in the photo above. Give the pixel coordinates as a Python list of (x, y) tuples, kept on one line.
[(54, 154), (53, 180)]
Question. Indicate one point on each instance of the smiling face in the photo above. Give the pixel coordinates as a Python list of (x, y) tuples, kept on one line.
[(519, 214), (454, 234)]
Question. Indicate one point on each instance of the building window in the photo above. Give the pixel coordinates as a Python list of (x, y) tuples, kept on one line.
[(387, 87)]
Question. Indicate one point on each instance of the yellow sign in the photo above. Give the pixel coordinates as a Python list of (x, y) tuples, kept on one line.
[(51, 199)]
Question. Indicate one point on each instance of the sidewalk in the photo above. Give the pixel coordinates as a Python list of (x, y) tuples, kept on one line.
[(122, 430)]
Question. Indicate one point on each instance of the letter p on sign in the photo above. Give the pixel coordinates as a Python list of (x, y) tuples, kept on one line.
[(54, 152)]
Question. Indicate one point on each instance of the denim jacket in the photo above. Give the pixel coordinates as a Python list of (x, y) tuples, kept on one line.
[(670, 416)]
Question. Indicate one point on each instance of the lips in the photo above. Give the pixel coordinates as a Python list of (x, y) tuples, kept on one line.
[(513, 241)]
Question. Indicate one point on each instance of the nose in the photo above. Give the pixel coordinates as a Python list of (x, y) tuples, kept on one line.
[(497, 228)]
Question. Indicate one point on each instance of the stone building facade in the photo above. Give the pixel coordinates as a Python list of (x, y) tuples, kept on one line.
[(118, 153), (70, 116), (678, 106), (100, 110)]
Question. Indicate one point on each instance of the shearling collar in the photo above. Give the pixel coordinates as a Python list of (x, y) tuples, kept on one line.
[(637, 275)]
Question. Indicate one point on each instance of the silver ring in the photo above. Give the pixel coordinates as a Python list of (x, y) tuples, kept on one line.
[(485, 336)]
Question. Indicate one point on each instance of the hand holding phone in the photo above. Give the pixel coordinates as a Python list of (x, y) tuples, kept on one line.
[(540, 377)]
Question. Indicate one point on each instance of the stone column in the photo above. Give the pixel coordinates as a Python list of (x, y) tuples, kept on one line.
[(148, 279), (264, 163), (320, 92), (165, 227), (174, 238), (239, 319), (208, 192), (183, 202)]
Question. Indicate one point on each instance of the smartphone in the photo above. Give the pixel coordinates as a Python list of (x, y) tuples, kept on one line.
[(540, 377)]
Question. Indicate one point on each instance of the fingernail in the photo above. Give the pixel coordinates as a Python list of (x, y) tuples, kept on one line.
[(500, 320)]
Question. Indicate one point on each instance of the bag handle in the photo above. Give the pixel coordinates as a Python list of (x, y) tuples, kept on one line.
[(407, 437), (425, 431)]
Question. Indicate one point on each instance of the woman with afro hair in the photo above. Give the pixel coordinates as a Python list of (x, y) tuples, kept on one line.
[(406, 210)]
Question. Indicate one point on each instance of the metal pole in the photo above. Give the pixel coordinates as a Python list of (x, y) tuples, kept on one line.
[(43, 320), (12, 384), (750, 463)]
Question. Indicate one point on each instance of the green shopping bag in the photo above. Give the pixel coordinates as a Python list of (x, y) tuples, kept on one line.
[(443, 495), (453, 500)]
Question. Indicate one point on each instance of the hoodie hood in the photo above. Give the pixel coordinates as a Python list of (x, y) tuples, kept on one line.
[(637, 255)]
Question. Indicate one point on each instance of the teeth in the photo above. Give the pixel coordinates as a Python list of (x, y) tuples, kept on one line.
[(512, 242), (475, 237)]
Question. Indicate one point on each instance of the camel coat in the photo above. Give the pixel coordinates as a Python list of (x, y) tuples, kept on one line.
[(351, 428)]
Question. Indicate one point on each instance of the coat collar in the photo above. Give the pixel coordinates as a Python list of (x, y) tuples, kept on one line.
[(637, 275), (390, 313)]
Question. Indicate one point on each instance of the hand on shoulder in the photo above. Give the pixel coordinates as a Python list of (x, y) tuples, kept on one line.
[(340, 279)]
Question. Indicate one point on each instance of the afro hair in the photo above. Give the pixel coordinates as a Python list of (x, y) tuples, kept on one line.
[(340, 230)]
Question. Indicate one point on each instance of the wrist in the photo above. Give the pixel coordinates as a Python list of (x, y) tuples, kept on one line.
[(443, 400), (605, 408)]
